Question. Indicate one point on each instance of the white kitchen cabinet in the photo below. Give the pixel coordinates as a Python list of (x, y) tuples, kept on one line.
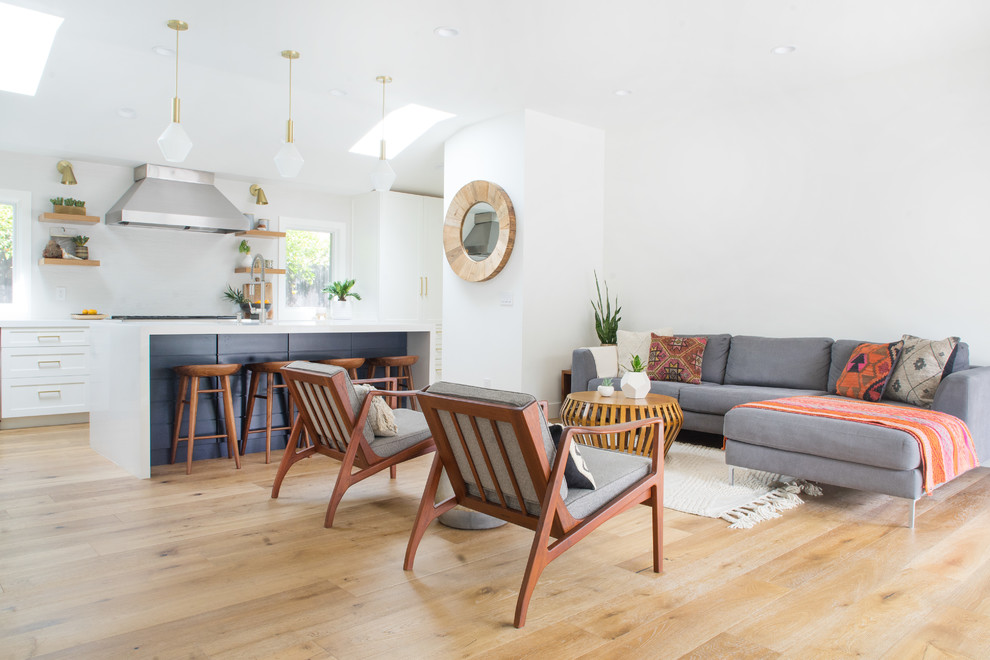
[(43, 370), (397, 242)]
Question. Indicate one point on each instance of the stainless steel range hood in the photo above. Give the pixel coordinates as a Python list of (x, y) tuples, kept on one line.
[(174, 198)]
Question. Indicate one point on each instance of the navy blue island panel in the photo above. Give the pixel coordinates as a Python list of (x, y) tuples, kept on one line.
[(168, 351)]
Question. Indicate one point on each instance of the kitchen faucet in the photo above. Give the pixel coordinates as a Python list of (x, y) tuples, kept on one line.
[(260, 261)]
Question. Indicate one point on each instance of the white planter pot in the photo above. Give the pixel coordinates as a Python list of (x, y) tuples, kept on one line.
[(606, 390), (635, 384), (340, 310), (245, 260)]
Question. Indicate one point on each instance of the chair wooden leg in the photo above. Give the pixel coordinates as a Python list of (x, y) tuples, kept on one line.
[(193, 404), (228, 411), (539, 557), (343, 482), (428, 512), (249, 411), (177, 422), (656, 501), (290, 456), (391, 471), (269, 396)]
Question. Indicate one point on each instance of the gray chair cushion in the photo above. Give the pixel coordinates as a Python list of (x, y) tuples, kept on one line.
[(842, 440), (412, 430), (799, 363), (720, 399), (614, 472), (714, 358)]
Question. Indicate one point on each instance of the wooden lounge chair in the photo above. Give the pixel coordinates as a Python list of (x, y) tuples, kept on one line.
[(501, 441), (337, 424)]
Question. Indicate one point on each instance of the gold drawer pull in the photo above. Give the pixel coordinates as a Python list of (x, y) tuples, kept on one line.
[(49, 364), (50, 394)]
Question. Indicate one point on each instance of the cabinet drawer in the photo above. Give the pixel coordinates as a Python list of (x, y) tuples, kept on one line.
[(43, 362), (44, 337), (42, 396)]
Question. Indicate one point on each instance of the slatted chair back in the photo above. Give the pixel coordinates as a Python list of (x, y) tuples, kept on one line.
[(327, 404), (496, 447)]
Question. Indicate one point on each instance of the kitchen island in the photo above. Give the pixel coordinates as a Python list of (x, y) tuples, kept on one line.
[(132, 394)]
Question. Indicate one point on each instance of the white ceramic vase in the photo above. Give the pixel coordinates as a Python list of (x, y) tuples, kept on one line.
[(245, 260), (606, 390), (340, 310), (635, 384)]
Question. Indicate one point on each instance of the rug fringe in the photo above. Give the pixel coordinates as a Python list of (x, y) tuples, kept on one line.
[(770, 505)]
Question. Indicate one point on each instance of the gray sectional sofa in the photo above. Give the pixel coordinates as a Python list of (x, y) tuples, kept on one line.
[(742, 369)]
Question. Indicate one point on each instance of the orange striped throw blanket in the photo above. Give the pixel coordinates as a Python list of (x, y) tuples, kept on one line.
[(944, 440)]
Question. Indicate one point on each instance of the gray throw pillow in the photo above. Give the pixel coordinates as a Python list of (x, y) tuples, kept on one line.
[(919, 370)]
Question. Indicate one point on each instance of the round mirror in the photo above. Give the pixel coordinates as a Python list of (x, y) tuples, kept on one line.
[(479, 231)]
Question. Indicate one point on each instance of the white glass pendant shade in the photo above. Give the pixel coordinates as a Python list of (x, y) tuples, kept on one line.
[(383, 176), (288, 160), (174, 143)]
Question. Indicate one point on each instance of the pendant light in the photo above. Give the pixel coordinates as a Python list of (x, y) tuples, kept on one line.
[(288, 160), (383, 176), (174, 142)]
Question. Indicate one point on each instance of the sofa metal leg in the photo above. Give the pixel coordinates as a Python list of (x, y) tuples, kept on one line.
[(911, 521), (732, 476)]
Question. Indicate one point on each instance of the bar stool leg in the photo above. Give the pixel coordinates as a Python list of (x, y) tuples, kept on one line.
[(406, 371), (193, 401), (228, 409), (252, 391), (177, 420), (269, 395)]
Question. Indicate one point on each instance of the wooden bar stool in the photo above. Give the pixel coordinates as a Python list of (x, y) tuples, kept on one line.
[(269, 370), (403, 370), (189, 384), (351, 364)]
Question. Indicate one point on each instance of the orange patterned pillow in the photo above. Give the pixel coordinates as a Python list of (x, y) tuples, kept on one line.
[(676, 359), (867, 371)]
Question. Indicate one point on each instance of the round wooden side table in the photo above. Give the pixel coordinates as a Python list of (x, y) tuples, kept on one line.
[(593, 409)]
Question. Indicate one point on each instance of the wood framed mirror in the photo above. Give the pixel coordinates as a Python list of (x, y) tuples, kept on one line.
[(479, 231)]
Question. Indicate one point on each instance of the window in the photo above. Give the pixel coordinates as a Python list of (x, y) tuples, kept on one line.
[(313, 255), (15, 247)]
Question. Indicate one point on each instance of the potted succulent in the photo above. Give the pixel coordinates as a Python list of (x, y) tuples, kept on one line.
[(239, 299), (245, 251), (606, 321), (635, 383), (339, 292), (606, 388), (68, 205), (82, 251)]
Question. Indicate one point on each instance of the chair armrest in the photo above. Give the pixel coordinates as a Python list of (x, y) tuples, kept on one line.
[(589, 363), (966, 394), (391, 383)]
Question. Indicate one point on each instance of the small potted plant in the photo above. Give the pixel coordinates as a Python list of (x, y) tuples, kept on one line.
[(606, 388), (339, 292), (606, 321), (635, 383), (68, 205), (239, 299), (82, 252), (245, 251)]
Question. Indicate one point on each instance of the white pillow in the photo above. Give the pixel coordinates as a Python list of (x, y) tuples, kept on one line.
[(380, 416), (636, 343)]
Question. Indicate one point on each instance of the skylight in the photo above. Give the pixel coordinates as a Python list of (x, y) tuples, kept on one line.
[(26, 38), (402, 127)]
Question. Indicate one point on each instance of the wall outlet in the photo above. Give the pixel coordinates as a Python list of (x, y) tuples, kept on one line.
[(506, 299), (60, 293)]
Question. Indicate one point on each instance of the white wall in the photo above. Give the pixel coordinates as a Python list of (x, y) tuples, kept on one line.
[(146, 271), (852, 210), (553, 172)]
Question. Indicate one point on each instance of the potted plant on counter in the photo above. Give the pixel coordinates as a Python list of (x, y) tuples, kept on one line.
[(340, 306), (239, 299), (635, 383), (606, 321)]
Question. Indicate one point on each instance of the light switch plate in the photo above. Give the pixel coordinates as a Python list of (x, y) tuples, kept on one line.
[(506, 299)]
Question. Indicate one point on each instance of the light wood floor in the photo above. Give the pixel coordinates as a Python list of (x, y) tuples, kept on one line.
[(97, 564)]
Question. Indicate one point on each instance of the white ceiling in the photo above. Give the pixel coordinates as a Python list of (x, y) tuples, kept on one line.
[(562, 58)]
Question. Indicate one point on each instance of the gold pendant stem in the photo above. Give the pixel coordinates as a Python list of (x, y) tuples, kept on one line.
[(288, 131), (175, 110)]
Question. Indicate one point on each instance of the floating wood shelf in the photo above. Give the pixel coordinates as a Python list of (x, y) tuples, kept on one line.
[(261, 233), (68, 219), (268, 271), (68, 262)]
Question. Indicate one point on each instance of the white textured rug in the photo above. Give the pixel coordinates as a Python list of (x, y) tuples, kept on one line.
[(696, 480)]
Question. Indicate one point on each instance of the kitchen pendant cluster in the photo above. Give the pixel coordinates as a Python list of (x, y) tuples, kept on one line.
[(175, 144)]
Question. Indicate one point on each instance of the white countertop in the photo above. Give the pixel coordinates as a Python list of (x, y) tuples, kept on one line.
[(230, 327)]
